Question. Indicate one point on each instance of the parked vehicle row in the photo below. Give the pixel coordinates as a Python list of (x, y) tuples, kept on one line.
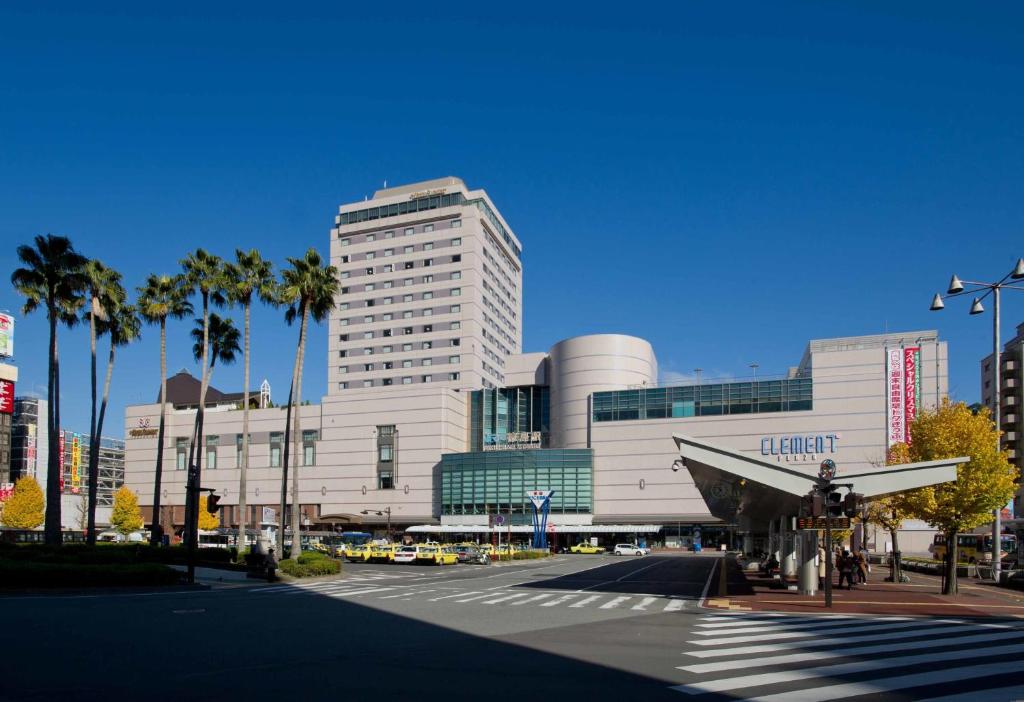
[(618, 550)]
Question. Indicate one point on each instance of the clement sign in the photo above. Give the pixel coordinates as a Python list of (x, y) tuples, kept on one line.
[(799, 446)]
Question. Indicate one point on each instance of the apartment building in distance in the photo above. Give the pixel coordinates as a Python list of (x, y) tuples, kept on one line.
[(1011, 398)]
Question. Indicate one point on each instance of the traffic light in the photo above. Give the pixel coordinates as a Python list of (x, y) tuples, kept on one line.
[(834, 504), (211, 503), (853, 504)]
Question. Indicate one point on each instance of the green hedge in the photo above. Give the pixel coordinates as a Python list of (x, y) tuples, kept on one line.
[(35, 573), (309, 564)]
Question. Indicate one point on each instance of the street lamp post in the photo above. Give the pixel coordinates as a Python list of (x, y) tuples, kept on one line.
[(957, 289), (381, 513)]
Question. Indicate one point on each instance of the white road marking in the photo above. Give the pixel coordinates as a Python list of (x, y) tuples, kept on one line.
[(506, 598), (615, 603), (644, 603), (835, 641), (900, 682), (674, 605), (457, 594), (360, 592), (534, 598), (777, 635), (823, 627), (744, 663), (477, 597), (585, 601), (559, 601), (851, 668)]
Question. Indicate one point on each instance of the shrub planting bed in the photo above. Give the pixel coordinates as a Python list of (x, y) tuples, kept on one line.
[(309, 564)]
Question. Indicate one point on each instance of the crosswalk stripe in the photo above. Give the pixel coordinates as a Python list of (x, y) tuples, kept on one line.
[(407, 593), (674, 605), (777, 635), (506, 598), (835, 641), (883, 685), (851, 668), (742, 617), (560, 600), (745, 663), (457, 594), (615, 603), (819, 625), (644, 603), (746, 620), (535, 598), (410, 595), (585, 601), (477, 597), (364, 591)]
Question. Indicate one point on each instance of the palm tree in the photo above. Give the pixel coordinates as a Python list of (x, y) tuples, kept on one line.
[(223, 339), (163, 296), (122, 325), (309, 289), (52, 277), (106, 295), (205, 272), (249, 275)]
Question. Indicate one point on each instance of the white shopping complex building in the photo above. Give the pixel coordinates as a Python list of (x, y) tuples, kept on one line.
[(434, 413)]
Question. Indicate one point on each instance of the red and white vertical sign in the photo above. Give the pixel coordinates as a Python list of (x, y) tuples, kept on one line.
[(895, 394), (6, 397), (903, 392)]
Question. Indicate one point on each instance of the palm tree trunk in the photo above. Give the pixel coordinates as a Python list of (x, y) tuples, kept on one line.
[(90, 534), (287, 432), (94, 455), (243, 516), (156, 526), (52, 523), (297, 438), (284, 465), (193, 495)]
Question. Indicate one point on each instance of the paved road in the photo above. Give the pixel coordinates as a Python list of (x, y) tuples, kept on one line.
[(582, 627)]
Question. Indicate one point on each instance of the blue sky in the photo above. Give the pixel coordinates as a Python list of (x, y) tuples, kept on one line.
[(725, 181)]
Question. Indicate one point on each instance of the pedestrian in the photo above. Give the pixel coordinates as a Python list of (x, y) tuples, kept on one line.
[(862, 567), (821, 567), (846, 565)]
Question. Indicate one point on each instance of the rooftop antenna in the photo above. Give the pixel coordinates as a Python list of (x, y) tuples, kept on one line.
[(385, 183)]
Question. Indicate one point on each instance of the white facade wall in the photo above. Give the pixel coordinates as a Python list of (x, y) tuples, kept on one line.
[(849, 400), (583, 365)]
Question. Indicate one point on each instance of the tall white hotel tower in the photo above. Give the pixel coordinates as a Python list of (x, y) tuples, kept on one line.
[(431, 290)]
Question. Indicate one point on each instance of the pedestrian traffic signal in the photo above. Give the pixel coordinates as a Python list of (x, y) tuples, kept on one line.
[(834, 504), (853, 504), (211, 503)]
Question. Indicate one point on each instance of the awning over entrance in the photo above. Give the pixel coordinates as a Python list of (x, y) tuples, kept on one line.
[(740, 487), (527, 529)]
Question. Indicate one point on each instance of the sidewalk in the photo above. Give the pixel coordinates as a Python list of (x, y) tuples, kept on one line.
[(216, 576), (754, 593)]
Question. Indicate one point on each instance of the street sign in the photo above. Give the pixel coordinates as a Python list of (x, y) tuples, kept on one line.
[(499, 520), (818, 523), (539, 497)]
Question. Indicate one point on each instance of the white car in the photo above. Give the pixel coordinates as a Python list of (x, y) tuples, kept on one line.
[(407, 554), (630, 550)]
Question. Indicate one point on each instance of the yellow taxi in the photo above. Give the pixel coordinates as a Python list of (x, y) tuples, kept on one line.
[(358, 553), (384, 552), (437, 555), (584, 547), (487, 548)]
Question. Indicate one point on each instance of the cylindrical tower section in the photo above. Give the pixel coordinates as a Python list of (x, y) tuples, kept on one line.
[(586, 364)]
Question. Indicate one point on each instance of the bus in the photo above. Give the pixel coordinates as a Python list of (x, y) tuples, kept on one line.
[(972, 548)]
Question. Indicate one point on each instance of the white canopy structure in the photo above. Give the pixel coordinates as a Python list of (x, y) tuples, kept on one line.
[(750, 491), (528, 529)]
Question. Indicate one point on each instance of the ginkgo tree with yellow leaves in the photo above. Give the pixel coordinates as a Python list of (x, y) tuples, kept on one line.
[(126, 516), (24, 508), (983, 484), (207, 521)]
